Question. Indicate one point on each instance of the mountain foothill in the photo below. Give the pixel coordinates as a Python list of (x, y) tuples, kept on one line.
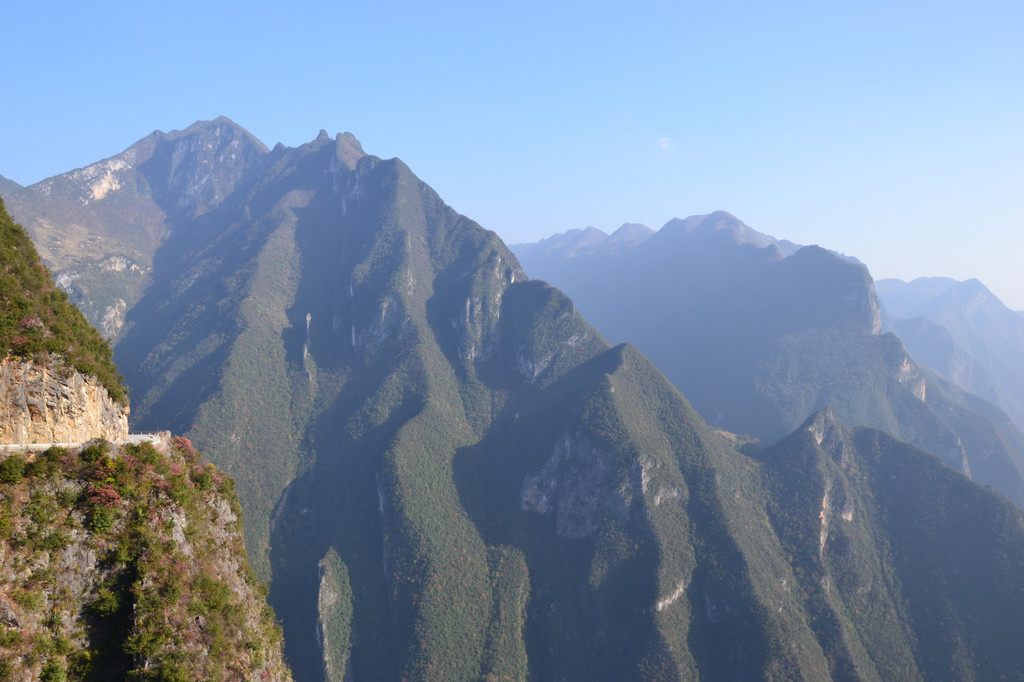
[(448, 473)]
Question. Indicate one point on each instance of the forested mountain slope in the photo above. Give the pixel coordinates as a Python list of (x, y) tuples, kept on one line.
[(128, 563), (452, 476), (36, 319)]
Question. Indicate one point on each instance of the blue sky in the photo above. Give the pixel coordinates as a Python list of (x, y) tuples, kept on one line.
[(891, 131)]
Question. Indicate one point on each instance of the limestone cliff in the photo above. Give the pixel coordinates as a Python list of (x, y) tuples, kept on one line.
[(55, 404)]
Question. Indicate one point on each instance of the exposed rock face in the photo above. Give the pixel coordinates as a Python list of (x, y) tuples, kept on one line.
[(578, 483), (55, 404)]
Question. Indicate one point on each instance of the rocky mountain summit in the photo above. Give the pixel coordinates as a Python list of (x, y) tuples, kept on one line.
[(103, 223)]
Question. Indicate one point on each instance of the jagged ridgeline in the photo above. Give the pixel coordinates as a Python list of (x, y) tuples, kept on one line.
[(451, 476), (36, 319)]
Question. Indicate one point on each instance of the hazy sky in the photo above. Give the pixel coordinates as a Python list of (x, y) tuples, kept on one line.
[(891, 131)]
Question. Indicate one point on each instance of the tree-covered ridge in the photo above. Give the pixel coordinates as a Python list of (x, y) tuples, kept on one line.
[(904, 566), (128, 564), (36, 319)]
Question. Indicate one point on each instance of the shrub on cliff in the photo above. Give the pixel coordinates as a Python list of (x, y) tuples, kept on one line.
[(12, 469)]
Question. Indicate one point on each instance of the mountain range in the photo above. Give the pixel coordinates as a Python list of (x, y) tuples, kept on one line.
[(963, 332), (760, 333), (447, 473)]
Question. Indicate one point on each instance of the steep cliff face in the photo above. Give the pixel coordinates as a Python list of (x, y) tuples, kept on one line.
[(55, 404)]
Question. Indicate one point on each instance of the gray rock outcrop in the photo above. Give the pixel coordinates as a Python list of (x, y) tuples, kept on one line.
[(55, 404)]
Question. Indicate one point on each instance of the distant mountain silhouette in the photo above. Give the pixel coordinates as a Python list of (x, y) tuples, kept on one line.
[(965, 333), (590, 240)]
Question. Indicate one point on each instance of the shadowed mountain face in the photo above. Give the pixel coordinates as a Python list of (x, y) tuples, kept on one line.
[(448, 474), (963, 332), (758, 340)]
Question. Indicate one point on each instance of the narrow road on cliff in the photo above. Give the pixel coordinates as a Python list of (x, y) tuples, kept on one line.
[(132, 439)]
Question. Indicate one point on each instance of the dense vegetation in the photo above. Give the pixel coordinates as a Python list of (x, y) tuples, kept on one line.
[(128, 564), (37, 321), (334, 603), (888, 546)]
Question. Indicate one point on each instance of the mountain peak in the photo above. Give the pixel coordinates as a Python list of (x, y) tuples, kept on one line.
[(974, 287), (716, 223), (824, 419), (8, 186), (348, 150), (571, 242), (220, 126), (970, 295), (630, 233), (905, 299), (828, 431)]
